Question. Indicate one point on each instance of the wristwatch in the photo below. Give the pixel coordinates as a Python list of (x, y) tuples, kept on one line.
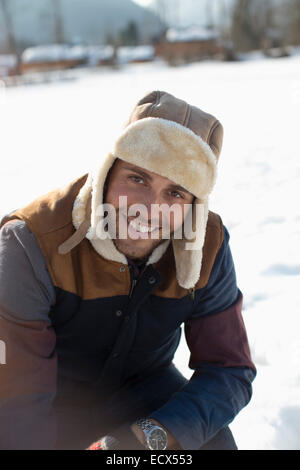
[(155, 436)]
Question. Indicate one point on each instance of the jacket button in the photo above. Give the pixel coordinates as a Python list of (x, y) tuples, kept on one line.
[(126, 318), (151, 280), (119, 313), (115, 355), (122, 269)]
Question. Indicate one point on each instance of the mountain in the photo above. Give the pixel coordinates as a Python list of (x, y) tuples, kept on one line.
[(83, 21), (191, 12)]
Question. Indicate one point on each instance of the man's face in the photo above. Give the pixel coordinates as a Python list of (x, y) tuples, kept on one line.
[(144, 187)]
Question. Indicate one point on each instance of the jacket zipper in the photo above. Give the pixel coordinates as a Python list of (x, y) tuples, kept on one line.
[(133, 284), (134, 281), (192, 293)]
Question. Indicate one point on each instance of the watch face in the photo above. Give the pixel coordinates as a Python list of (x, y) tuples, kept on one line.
[(157, 439)]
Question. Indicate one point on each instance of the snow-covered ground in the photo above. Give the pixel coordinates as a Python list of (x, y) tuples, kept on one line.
[(53, 133)]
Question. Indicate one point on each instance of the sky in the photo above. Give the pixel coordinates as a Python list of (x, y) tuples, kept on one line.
[(143, 3)]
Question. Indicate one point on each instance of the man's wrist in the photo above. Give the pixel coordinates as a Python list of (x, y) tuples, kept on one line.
[(140, 435), (127, 438), (172, 442)]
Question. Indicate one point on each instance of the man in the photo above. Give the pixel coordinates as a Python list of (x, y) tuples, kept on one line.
[(92, 318)]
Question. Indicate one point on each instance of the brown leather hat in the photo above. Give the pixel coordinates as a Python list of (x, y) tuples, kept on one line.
[(168, 136)]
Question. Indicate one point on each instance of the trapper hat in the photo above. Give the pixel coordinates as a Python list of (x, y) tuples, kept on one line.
[(169, 137)]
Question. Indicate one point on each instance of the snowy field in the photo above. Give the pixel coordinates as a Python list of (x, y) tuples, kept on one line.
[(53, 133)]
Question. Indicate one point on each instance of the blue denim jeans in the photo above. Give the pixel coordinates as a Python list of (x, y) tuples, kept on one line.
[(80, 427)]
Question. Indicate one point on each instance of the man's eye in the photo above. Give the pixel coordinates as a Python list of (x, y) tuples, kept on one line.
[(137, 179), (176, 194)]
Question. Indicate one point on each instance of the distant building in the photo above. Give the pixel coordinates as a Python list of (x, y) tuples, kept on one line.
[(8, 65), (273, 43), (52, 57), (135, 54), (189, 45), (99, 55), (57, 56)]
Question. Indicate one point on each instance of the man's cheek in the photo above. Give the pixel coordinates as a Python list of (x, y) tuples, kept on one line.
[(173, 220)]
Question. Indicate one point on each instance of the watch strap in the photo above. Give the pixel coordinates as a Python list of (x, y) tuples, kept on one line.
[(146, 425)]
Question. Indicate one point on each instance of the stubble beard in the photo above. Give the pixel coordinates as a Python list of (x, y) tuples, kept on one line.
[(131, 249), (135, 249)]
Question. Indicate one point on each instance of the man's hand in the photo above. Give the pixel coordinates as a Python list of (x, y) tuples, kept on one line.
[(131, 438), (105, 443), (123, 439), (172, 443)]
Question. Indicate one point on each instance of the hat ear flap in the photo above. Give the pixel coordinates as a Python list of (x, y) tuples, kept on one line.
[(188, 249)]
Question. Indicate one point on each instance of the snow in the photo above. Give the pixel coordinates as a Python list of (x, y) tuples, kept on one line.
[(55, 132)]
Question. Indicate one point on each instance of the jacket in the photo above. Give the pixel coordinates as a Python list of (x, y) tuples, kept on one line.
[(97, 330)]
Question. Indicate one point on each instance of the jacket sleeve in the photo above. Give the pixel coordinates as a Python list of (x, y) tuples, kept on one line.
[(221, 384), (28, 367)]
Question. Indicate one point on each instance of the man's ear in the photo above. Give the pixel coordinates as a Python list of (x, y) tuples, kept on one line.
[(106, 182), (105, 187)]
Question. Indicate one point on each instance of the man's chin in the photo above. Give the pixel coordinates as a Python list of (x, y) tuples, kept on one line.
[(136, 249)]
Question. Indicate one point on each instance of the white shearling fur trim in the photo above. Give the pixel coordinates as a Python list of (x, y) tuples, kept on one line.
[(189, 262), (78, 212), (170, 150)]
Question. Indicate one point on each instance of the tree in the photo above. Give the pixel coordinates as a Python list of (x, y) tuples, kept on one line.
[(251, 22), (11, 39), (294, 34), (242, 32), (210, 20), (161, 11), (129, 36), (59, 30)]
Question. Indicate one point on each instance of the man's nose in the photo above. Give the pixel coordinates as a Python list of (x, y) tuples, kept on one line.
[(150, 201)]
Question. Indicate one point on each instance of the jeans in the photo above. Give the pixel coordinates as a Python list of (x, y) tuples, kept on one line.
[(80, 426)]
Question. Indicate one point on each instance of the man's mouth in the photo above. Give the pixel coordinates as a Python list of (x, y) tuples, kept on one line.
[(141, 227), (137, 230)]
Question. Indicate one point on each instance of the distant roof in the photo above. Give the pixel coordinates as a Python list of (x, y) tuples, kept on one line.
[(52, 53), (191, 33), (130, 53), (95, 54), (92, 54)]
